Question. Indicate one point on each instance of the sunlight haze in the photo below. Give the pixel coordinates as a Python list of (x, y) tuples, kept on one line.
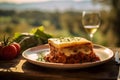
[(23, 1), (29, 1)]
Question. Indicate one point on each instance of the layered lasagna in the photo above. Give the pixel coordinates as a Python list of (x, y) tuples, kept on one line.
[(71, 50)]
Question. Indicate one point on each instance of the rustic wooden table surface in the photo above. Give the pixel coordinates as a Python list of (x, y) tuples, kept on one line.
[(20, 69)]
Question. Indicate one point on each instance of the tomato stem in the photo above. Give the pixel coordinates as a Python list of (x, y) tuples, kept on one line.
[(6, 41)]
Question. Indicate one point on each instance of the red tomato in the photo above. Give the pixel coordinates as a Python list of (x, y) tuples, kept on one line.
[(17, 47), (8, 52), (0, 49)]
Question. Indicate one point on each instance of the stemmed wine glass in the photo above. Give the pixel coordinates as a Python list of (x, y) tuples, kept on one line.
[(91, 22)]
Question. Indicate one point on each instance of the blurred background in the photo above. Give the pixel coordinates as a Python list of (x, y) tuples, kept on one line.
[(61, 18)]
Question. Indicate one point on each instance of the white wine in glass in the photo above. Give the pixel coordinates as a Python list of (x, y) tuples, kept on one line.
[(91, 22)]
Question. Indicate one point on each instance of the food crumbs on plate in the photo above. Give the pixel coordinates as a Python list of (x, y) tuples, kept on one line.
[(41, 55)]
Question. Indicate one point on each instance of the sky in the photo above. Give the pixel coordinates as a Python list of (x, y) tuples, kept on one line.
[(29, 1)]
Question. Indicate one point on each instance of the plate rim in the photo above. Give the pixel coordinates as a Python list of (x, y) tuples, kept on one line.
[(66, 66)]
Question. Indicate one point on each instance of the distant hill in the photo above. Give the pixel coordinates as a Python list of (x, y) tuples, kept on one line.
[(52, 6)]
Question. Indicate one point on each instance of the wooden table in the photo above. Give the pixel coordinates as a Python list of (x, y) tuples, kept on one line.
[(20, 69)]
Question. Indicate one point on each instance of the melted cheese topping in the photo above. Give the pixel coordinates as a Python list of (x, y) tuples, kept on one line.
[(67, 41)]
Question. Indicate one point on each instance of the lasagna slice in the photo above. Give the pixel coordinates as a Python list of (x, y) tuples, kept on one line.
[(70, 50)]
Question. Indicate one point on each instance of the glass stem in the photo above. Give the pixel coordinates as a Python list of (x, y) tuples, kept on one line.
[(91, 37)]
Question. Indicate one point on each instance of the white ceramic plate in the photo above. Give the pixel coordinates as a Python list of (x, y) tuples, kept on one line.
[(34, 56)]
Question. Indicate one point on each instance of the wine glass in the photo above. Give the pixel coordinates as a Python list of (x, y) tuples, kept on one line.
[(91, 22)]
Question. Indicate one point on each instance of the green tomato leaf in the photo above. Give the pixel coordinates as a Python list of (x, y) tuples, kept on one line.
[(41, 28)]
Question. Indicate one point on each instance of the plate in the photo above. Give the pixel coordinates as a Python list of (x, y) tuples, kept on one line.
[(35, 56)]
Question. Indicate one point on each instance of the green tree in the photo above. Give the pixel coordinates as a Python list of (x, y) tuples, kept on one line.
[(112, 23)]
